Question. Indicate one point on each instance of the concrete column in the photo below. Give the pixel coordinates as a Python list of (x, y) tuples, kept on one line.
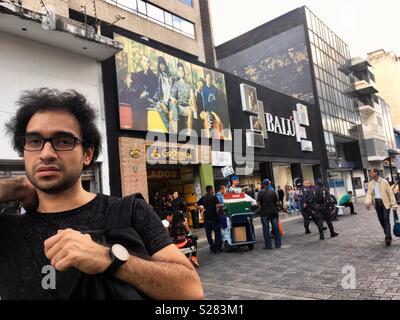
[(267, 172), (206, 176)]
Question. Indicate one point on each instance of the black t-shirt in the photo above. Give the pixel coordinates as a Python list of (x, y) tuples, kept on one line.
[(179, 204), (22, 239), (268, 200), (209, 202)]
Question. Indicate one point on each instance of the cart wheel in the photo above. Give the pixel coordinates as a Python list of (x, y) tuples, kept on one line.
[(251, 246)]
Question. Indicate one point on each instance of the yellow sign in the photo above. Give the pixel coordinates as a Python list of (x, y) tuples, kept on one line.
[(135, 152), (163, 154)]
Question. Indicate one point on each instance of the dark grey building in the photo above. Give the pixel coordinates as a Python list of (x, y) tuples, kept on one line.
[(297, 54)]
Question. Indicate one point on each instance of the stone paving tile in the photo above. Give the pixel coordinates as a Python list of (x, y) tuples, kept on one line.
[(308, 268)]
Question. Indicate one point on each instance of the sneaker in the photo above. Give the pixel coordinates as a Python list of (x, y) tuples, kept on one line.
[(353, 214), (308, 231), (193, 259), (334, 234)]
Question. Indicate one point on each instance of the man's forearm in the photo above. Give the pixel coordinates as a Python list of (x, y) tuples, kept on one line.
[(12, 189), (18, 189), (161, 280)]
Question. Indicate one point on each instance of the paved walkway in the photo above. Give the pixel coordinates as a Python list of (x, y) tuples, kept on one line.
[(306, 267)]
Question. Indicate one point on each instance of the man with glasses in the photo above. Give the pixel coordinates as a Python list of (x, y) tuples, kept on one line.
[(55, 132)]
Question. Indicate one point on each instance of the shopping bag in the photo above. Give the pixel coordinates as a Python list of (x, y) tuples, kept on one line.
[(280, 226), (396, 228)]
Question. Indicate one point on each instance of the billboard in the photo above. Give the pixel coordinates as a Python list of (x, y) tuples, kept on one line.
[(161, 93)]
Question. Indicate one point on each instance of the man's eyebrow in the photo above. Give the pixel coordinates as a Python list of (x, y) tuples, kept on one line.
[(36, 133)]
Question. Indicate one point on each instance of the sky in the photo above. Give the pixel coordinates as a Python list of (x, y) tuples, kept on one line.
[(365, 25)]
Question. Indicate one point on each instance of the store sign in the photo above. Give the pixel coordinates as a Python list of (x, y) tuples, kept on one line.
[(306, 146), (227, 171), (221, 159), (185, 155), (280, 125), (154, 174), (295, 126)]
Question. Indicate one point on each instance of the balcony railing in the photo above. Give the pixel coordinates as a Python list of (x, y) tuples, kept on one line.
[(363, 87)]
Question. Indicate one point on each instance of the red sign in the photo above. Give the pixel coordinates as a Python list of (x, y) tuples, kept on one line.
[(163, 174), (234, 196)]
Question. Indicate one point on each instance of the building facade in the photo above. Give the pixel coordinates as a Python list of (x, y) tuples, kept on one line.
[(48, 50), (297, 54), (278, 133), (387, 73)]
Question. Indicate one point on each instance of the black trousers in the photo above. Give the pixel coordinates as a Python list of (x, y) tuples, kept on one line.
[(309, 216), (383, 217), (326, 215), (349, 205)]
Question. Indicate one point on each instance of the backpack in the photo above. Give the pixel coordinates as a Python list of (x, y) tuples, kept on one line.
[(333, 199)]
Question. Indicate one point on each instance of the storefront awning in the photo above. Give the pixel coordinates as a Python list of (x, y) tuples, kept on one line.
[(57, 31)]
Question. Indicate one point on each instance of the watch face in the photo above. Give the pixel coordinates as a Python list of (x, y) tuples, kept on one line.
[(120, 252)]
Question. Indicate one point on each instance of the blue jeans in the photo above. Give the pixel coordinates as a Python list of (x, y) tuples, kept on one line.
[(292, 206), (267, 239), (210, 227)]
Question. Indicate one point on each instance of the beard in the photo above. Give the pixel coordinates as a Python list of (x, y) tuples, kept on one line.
[(50, 185)]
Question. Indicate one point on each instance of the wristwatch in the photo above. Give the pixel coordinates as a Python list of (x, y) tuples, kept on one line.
[(119, 255)]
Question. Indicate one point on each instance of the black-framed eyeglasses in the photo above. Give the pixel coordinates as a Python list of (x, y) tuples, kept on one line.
[(60, 142)]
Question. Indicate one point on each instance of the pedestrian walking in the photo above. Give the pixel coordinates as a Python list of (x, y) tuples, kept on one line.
[(306, 205), (322, 205), (224, 221), (281, 195), (291, 200), (269, 204), (382, 197), (210, 204)]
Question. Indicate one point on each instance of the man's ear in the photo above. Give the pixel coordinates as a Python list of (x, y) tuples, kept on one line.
[(88, 156)]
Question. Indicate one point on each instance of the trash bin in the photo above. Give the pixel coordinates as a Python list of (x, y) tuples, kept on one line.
[(195, 219)]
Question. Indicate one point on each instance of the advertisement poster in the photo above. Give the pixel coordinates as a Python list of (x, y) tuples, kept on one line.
[(158, 92)]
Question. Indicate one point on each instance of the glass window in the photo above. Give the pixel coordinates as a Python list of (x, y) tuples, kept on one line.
[(188, 28), (326, 136), (168, 18), (142, 8), (158, 15), (188, 2), (176, 22), (155, 13), (323, 116), (128, 5)]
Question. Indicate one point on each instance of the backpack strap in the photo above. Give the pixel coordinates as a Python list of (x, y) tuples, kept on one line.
[(119, 214)]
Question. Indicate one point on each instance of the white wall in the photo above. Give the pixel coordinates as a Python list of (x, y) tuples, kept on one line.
[(27, 65)]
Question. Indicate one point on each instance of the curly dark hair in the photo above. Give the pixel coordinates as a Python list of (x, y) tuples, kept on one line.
[(45, 99), (178, 224)]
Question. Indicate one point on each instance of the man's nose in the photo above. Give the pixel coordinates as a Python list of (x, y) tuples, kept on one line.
[(48, 151)]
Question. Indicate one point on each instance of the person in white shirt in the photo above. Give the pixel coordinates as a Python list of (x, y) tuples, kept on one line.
[(382, 197)]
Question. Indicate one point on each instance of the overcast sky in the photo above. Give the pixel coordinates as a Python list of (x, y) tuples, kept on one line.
[(365, 25)]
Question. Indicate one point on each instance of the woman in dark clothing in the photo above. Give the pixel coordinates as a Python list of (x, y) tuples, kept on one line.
[(180, 233)]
